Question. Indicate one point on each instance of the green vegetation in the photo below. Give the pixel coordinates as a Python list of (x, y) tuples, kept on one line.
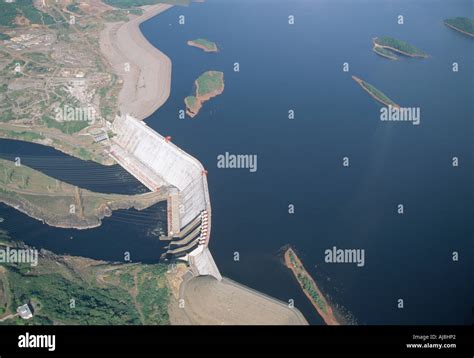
[(54, 292), (116, 16), (374, 92), (210, 82), (22, 8), (308, 286), (24, 135), (190, 101), (125, 4), (207, 45), (379, 94), (68, 127), (462, 24), (152, 292), (400, 46), (4, 36), (74, 290)]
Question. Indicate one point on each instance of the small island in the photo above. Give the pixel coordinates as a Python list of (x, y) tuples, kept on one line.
[(203, 44), (386, 44), (210, 84), (461, 24), (309, 287), (375, 93)]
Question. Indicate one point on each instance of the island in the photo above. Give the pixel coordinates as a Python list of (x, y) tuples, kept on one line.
[(375, 93), (210, 84), (203, 44), (397, 46), (461, 24), (309, 287), (60, 204)]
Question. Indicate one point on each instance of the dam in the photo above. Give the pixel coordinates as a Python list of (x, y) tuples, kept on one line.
[(210, 299), (156, 162)]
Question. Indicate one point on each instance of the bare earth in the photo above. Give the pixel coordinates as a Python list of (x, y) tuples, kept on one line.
[(146, 86), (211, 302)]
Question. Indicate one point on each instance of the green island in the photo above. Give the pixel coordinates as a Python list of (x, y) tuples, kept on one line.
[(375, 93), (208, 85), (79, 291), (203, 44), (461, 24), (60, 204), (398, 46), (309, 287)]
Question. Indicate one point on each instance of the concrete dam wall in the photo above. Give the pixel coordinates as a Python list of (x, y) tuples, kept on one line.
[(156, 162), (169, 164)]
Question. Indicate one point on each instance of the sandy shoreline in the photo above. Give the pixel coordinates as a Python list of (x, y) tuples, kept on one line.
[(146, 86)]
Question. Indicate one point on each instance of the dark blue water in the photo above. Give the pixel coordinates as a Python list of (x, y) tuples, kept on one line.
[(300, 162), (299, 67), (132, 231)]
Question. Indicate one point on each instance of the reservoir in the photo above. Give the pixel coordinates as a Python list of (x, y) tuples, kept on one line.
[(299, 67)]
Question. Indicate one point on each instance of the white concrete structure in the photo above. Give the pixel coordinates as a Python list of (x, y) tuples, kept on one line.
[(156, 162)]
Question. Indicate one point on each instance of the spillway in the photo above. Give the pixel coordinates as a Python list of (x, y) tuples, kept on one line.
[(155, 161)]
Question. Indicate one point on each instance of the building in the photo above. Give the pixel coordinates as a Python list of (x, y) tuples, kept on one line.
[(24, 311)]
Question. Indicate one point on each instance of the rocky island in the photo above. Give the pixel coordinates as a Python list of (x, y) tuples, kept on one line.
[(203, 44), (210, 84), (386, 46), (461, 24)]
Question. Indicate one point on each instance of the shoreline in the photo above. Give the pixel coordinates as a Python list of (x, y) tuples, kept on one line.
[(397, 50), (393, 58), (459, 30), (328, 316), (361, 82), (147, 84), (193, 111), (91, 222), (192, 43)]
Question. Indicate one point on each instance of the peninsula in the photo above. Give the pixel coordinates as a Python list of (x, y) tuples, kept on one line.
[(203, 44), (309, 287), (397, 46), (210, 84), (60, 204), (105, 293), (375, 93), (461, 24)]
